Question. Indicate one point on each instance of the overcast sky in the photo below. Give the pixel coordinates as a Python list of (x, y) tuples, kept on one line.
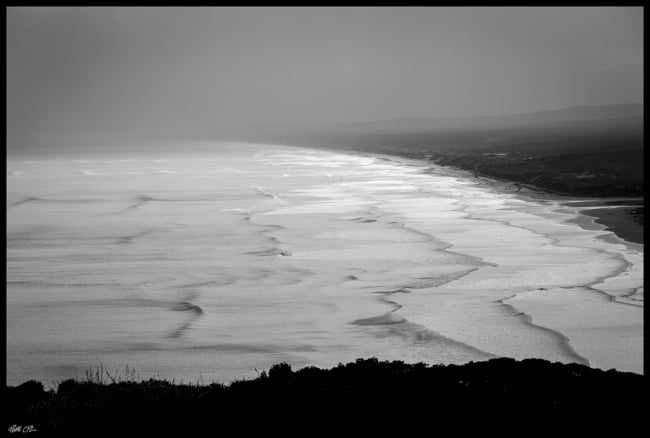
[(90, 74)]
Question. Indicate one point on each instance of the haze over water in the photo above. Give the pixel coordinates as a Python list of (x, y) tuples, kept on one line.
[(83, 75), (224, 259)]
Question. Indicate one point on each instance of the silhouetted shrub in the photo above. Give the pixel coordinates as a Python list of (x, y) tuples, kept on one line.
[(280, 371), (360, 392)]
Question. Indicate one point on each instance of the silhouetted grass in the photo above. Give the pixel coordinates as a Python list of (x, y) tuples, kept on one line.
[(363, 392)]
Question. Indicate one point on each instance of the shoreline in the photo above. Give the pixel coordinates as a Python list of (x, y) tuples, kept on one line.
[(536, 314), (627, 226), (624, 221), (422, 167), (574, 206)]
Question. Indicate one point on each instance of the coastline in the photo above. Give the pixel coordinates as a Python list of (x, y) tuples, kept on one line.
[(626, 223), (543, 209), (598, 320), (619, 215)]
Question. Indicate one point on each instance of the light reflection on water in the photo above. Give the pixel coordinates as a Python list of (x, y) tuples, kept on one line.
[(214, 265)]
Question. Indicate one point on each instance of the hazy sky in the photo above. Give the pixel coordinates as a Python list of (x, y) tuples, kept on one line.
[(86, 74)]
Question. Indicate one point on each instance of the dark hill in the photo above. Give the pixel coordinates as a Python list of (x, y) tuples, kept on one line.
[(414, 124)]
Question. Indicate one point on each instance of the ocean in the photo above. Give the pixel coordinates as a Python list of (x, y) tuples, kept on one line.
[(212, 261)]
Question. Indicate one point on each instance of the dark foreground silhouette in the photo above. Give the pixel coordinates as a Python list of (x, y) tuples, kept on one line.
[(367, 393)]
